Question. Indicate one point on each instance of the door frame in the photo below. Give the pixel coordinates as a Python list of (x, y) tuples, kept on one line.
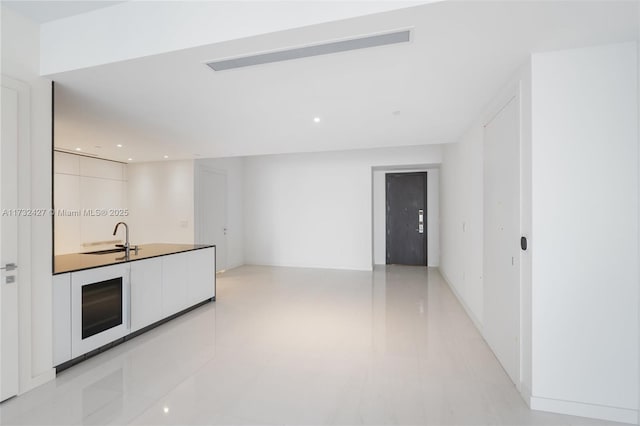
[(375, 199), (426, 218), (27, 377), (199, 169)]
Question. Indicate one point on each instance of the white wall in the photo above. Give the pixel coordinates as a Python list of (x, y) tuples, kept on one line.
[(112, 34), (160, 199), (462, 218), (315, 210), (85, 186), (20, 60), (585, 240), (579, 210), (234, 169), (432, 218), (638, 71)]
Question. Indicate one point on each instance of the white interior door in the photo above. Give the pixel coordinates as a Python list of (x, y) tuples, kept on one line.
[(211, 224), (9, 245), (501, 275)]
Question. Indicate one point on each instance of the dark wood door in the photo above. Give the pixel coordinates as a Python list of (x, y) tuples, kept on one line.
[(406, 202)]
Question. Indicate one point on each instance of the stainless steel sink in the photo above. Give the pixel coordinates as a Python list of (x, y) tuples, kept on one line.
[(107, 251)]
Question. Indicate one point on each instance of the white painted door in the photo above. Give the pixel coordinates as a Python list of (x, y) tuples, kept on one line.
[(9, 245), (502, 237), (211, 225)]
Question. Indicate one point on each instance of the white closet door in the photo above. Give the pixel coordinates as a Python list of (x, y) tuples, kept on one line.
[(501, 277)]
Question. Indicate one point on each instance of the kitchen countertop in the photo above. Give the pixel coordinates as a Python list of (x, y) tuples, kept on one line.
[(80, 261)]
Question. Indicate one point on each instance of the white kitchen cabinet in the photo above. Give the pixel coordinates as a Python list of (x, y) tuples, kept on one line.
[(99, 305), (61, 318), (202, 275), (187, 278), (146, 292), (175, 278)]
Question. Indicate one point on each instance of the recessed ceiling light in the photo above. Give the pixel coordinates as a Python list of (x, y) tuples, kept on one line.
[(129, 159), (78, 149), (119, 145), (166, 410), (316, 119), (166, 156)]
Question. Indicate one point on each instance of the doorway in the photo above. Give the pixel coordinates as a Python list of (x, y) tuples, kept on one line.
[(211, 212), (406, 214)]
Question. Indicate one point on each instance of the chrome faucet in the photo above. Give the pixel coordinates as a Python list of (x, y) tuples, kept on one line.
[(126, 244)]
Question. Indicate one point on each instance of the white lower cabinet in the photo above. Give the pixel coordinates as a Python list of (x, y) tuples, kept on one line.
[(187, 279), (146, 292), (175, 277), (61, 318), (202, 275), (129, 295)]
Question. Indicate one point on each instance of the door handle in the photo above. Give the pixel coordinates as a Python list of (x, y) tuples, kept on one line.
[(9, 267), (421, 221)]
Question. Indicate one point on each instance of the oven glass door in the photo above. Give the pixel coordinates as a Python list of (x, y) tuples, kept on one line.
[(100, 308)]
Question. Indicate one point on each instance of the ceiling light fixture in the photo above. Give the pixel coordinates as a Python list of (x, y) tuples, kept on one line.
[(78, 149), (119, 145), (166, 156), (316, 119), (129, 159), (313, 50)]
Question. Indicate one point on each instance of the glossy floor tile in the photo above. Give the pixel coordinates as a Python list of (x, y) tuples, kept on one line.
[(297, 347)]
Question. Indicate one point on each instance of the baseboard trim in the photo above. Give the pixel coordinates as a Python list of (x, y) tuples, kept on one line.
[(38, 380), (335, 268), (602, 412), (466, 308), (525, 392)]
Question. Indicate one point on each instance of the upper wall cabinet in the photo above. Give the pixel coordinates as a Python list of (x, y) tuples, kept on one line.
[(82, 186), (104, 169)]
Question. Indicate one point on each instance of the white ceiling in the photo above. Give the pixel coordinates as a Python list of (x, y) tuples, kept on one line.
[(46, 11), (423, 92)]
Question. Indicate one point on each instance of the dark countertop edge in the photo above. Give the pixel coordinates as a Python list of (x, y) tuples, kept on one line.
[(131, 260)]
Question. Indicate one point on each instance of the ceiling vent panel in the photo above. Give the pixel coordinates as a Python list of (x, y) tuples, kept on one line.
[(315, 50)]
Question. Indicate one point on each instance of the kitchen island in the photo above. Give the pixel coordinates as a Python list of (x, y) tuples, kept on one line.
[(79, 261), (104, 298)]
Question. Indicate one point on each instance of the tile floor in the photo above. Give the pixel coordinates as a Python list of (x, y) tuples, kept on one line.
[(297, 347)]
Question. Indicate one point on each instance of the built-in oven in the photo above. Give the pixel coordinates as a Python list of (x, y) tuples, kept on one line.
[(99, 307)]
